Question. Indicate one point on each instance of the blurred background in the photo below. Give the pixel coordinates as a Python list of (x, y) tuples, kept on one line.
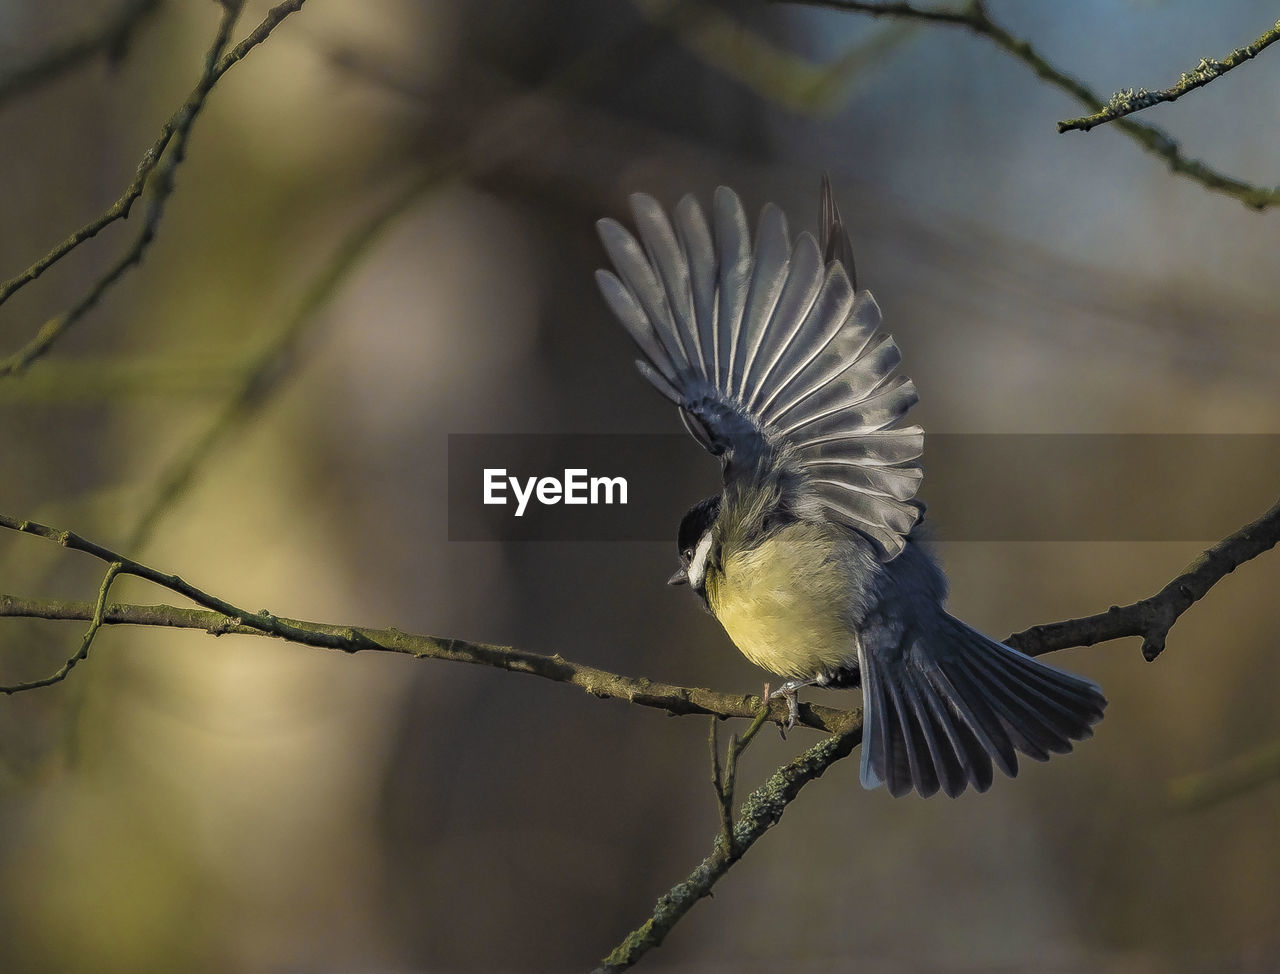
[(383, 234)]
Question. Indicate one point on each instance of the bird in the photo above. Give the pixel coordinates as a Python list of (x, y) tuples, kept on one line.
[(814, 557)]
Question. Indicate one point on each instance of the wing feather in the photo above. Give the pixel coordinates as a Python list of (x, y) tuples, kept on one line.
[(733, 241), (803, 286), (822, 324), (896, 482), (695, 239), (768, 277), (636, 321), (856, 362), (774, 359), (668, 260)]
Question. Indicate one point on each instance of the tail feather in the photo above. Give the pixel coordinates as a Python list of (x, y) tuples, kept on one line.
[(967, 697), (876, 717), (1062, 720), (1019, 718), (941, 769), (950, 705), (954, 747), (915, 743)]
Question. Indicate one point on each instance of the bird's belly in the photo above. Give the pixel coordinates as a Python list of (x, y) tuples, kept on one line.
[(784, 614)]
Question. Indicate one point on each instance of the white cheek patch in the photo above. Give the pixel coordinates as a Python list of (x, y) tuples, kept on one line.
[(698, 565)]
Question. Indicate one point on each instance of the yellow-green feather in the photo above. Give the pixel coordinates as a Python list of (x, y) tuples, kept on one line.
[(783, 601)]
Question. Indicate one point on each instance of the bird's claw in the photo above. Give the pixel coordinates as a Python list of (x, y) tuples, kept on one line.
[(788, 693)]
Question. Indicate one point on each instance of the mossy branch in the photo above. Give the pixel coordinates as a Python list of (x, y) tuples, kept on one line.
[(1127, 102), (761, 811), (974, 17)]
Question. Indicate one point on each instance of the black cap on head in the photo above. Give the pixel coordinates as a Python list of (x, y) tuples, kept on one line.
[(696, 521)]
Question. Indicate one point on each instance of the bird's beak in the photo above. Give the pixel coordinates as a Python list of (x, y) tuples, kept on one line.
[(681, 577)]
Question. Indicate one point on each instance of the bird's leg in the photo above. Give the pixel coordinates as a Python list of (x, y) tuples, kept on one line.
[(788, 692)]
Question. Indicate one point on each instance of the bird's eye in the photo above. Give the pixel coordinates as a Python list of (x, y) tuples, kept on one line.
[(687, 554)]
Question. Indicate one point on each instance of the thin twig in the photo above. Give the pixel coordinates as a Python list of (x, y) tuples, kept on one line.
[(724, 779), (95, 623), (1127, 102), (974, 17), (157, 170), (276, 360), (724, 793), (109, 38)]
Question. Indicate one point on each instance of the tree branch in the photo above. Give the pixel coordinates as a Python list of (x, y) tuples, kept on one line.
[(723, 779), (1152, 618), (156, 169), (974, 17), (110, 37), (760, 812), (1128, 101), (96, 614), (600, 683)]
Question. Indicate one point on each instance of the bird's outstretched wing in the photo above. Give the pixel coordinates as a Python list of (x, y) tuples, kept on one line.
[(772, 356)]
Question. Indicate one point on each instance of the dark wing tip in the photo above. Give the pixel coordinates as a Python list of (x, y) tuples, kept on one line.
[(833, 234)]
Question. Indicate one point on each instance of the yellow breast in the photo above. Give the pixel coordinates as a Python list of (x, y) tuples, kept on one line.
[(783, 603)]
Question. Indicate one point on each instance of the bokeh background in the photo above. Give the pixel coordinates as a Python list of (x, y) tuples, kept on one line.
[(383, 234)]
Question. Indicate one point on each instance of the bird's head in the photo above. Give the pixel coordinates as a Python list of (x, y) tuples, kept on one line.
[(694, 542)]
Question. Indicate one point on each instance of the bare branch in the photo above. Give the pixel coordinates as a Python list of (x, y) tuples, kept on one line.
[(109, 38), (276, 360), (95, 623), (1127, 102), (599, 683), (724, 779), (156, 169), (721, 783), (974, 17), (1152, 618)]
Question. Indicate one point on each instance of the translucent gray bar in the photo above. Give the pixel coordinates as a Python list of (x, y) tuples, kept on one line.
[(978, 487)]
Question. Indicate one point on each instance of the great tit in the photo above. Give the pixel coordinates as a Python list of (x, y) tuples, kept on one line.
[(813, 557)]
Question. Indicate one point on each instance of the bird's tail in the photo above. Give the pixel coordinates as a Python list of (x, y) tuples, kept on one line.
[(952, 702)]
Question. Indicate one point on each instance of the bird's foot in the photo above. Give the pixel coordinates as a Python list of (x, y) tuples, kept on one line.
[(788, 692)]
